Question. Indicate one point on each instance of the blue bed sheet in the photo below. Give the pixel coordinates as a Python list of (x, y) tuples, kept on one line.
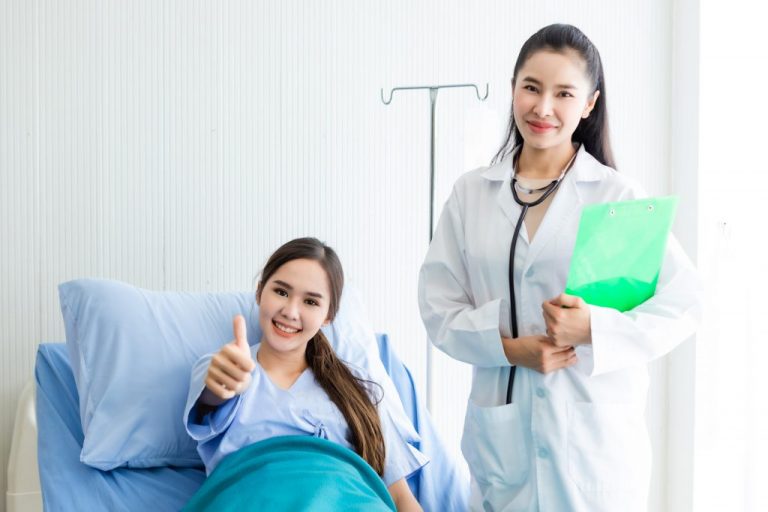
[(443, 484), (68, 484)]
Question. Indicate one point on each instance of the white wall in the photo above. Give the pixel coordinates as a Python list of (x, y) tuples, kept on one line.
[(175, 144), (731, 412)]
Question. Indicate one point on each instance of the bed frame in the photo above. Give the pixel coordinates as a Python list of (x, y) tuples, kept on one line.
[(23, 494)]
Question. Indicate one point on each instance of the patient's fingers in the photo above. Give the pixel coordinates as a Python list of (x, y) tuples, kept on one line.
[(238, 356), (221, 377), (217, 388), (223, 362)]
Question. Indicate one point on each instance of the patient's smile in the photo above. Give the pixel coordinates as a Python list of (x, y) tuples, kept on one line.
[(282, 328)]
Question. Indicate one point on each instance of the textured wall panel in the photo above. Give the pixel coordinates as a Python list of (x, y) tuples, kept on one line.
[(20, 323)]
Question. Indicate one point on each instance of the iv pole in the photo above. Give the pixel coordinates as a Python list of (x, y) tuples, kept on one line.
[(432, 100)]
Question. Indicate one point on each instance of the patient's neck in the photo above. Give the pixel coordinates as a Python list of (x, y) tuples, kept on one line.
[(283, 368)]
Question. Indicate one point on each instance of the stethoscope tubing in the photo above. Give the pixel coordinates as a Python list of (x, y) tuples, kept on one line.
[(513, 306), (525, 205)]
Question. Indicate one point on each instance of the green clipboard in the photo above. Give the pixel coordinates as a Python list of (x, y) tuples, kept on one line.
[(619, 250)]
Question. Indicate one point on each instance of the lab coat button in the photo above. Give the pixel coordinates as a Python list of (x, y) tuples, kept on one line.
[(543, 453), (540, 393)]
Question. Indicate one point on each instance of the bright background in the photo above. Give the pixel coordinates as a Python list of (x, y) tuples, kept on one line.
[(175, 144)]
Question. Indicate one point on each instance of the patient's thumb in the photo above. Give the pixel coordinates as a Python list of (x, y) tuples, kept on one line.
[(241, 335)]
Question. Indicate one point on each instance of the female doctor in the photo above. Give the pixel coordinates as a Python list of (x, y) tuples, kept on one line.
[(566, 431)]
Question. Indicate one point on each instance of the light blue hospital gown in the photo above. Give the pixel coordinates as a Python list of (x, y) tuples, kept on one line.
[(266, 410)]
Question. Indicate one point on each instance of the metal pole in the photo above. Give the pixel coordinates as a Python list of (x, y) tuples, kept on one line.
[(433, 101)]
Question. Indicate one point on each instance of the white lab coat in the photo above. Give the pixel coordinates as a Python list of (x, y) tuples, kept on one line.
[(574, 439)]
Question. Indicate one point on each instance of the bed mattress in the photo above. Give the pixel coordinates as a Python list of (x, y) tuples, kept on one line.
[(67, 483)]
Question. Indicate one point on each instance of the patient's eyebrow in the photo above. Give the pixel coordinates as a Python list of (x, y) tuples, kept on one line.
[(559, 86), (286, 285)]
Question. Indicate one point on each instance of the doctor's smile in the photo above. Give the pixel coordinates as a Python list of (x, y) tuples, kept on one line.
[(540, 127)]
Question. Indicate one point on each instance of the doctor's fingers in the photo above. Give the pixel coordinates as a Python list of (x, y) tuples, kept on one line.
[(218, 376), (559, 338), (552, 323), (570, 359), (553, 311), (558, 361), (549, 345)]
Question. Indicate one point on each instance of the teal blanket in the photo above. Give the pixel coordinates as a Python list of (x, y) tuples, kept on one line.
[(293, 473)]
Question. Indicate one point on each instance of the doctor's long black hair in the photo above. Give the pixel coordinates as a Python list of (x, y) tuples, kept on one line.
[(592, 132)]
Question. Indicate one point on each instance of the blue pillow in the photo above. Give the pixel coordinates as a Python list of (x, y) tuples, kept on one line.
[(132, 351)]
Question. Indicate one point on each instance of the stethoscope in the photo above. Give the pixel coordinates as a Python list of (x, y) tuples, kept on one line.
[(547, 191)]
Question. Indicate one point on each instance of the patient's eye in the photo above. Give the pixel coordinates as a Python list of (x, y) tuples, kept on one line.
[(281, 292), (311, 302)]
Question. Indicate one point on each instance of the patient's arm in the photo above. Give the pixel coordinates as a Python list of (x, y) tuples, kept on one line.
[(403, 497), (206, 403)]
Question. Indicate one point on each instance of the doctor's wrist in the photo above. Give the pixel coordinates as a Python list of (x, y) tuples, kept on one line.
[(511, 349)]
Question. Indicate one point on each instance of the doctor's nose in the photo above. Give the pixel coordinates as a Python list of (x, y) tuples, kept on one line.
[(543, 106)]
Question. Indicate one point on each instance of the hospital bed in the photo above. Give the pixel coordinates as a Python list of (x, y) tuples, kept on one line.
[(48, 434)]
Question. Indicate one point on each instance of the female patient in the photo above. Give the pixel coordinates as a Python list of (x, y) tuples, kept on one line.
[(295, 384)]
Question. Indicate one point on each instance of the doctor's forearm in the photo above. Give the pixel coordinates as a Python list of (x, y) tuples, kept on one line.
[(538, 353)]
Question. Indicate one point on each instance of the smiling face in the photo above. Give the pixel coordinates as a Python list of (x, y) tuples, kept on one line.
[(551, 95), (293, 305)]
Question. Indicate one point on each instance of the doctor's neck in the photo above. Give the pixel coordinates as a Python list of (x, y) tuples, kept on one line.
[(543, 163)]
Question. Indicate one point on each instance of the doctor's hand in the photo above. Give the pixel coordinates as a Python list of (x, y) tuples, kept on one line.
[(229, 372), (538, 353), (568, 320)]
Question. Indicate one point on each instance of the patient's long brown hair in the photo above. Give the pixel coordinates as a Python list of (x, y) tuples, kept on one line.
[(353, 396)]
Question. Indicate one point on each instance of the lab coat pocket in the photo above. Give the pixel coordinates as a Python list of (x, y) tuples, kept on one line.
[(494, 446), (608, 447)]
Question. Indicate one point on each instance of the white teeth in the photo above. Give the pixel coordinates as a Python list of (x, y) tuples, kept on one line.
[(285, 328)]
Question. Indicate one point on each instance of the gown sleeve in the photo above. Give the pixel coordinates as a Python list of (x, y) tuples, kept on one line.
[(209, 426), (401, 458), (456, 325)]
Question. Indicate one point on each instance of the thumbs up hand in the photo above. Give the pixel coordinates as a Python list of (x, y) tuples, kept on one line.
[(229, 372)]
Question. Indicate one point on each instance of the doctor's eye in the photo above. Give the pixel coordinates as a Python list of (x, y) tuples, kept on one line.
[(566, 94), (530, 88), (281, 292), (311, 302)]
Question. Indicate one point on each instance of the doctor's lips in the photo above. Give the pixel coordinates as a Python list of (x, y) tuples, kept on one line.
[(539, 127), (285, 330)]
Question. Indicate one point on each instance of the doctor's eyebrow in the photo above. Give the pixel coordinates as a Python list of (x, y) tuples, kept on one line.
[(559, 86), (289, 287)]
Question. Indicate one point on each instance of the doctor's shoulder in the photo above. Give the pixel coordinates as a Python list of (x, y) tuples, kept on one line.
[(487, 178), (612, 185)]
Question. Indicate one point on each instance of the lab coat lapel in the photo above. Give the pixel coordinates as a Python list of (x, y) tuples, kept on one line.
[(510, 208), (566, 203), (502, 172)]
